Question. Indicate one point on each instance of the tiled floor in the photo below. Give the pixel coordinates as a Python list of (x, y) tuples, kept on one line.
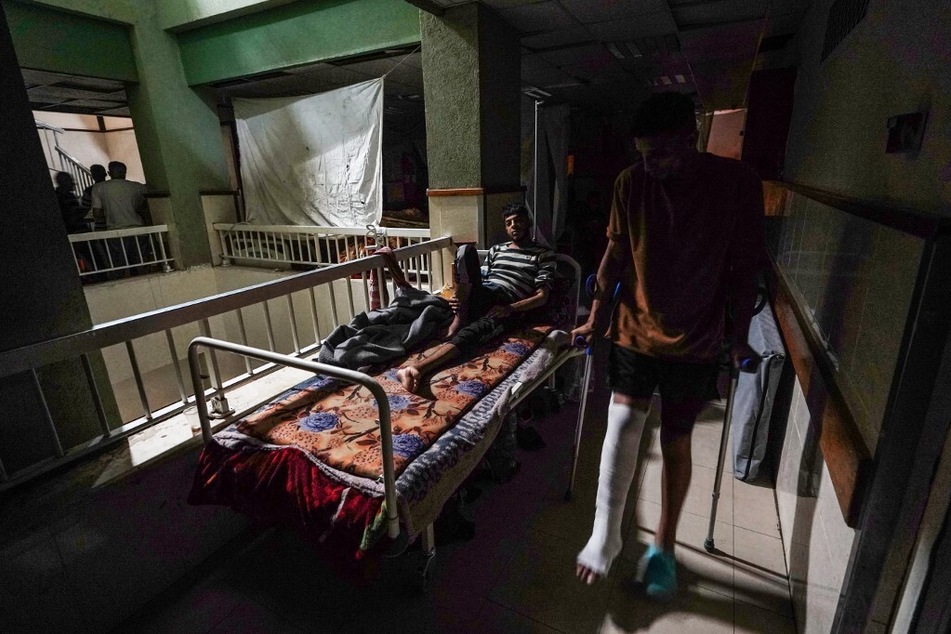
[(517, 573)]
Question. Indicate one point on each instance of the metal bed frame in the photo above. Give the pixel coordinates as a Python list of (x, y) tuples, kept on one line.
[(394, 530)]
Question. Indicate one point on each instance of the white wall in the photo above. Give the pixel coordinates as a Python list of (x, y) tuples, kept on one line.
[(895, 61), (726, 133), (816, 540), (86, 143)]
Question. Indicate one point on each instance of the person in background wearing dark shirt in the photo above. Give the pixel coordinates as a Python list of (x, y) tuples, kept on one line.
[(69, 207), (98, 173)]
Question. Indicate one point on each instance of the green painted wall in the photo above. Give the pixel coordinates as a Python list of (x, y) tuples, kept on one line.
[(41, 296), (471, 78), (451, 92), (177, 131), (185, 14), (112, 10), (57, 41), (500, 82), (302, 32)]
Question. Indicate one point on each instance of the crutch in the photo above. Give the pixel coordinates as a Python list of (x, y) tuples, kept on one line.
[(590, 287), (747, 364), (588, 358)]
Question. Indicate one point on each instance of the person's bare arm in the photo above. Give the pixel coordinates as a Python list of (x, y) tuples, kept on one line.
[(535, 300)]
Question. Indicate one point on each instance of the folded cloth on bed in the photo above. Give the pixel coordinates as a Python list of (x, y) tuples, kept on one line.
[(381, 335)]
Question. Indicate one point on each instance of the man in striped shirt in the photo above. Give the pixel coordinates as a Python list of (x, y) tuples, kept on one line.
[(518, 277)]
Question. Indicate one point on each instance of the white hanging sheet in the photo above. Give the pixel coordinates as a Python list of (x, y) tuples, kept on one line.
[(313, 160)]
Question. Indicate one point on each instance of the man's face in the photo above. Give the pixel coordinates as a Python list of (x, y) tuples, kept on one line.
[(665, 154), (516, 227)]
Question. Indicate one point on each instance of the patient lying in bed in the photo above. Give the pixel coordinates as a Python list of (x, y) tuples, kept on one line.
[(518, 279)]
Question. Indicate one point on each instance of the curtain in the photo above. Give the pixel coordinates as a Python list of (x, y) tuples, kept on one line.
[(313, 160)]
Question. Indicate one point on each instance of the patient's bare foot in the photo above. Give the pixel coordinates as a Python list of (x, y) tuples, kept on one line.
[(409, 377), (586, 575), (455, 326)]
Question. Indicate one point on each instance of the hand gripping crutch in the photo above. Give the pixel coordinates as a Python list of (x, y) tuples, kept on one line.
[(590, 287)]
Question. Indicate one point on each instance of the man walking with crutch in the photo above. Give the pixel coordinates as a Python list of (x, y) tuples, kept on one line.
[(685, 238)]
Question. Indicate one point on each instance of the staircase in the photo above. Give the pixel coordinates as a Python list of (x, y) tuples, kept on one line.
[(67, 163)]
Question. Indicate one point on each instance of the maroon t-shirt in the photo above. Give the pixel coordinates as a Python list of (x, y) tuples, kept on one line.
[(690, 240)]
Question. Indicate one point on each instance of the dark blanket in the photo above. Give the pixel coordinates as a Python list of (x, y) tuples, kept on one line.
[(412, 318)]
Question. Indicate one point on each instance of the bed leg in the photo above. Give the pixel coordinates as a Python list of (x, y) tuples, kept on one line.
[(429, 540), (426, 557)]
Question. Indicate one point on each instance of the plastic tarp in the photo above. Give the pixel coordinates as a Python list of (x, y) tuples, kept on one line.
[(755, 393), (313, 160)]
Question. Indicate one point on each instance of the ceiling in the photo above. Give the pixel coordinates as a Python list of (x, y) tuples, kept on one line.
[(68, 93), (593, 54)]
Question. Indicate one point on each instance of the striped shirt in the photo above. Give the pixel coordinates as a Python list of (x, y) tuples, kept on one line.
[(519, 271)]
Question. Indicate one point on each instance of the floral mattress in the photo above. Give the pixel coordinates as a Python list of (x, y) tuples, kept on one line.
[(312, 457)]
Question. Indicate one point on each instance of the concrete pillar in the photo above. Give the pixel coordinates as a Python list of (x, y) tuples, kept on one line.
[(472, 78), (41, 296), (178, 134)]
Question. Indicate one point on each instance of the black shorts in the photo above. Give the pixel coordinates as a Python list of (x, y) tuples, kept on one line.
[(638, 375)]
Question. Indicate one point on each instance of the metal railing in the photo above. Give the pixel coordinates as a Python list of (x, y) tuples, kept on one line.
[(105, 252), (326, 293), (80, 173), (67, 163), (308, 246)]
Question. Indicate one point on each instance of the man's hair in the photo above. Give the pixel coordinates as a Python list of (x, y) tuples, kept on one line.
[(98, 172), (514, 209), (664, 112), (64, 179), (116, 168)]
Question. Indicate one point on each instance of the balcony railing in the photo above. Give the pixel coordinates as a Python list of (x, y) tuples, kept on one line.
[(159, 340), (308, 246), (103, 253)]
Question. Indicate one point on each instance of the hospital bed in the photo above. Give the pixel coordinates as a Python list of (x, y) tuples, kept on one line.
[(358, 465)]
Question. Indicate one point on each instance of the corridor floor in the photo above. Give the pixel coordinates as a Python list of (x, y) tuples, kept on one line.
[(517, 573)]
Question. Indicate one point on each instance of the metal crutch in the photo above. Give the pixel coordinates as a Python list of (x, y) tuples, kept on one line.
[(590, 287), (748, 364), (588, 358)]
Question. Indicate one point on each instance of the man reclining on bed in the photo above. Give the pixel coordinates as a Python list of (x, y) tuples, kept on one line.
[(518, 278)]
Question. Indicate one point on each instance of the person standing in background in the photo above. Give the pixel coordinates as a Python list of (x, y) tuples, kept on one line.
[(120, 203), (69, 207), (98, 173)]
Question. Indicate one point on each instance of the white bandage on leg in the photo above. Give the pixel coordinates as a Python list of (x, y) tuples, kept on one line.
[(618, 463)]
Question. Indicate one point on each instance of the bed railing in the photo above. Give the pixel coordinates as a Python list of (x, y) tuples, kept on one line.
[(319, 292), (308, 246), (382, 403)]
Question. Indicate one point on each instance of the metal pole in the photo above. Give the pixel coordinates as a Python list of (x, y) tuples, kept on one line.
[(708, 544), (588, 358), (535, 177)]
